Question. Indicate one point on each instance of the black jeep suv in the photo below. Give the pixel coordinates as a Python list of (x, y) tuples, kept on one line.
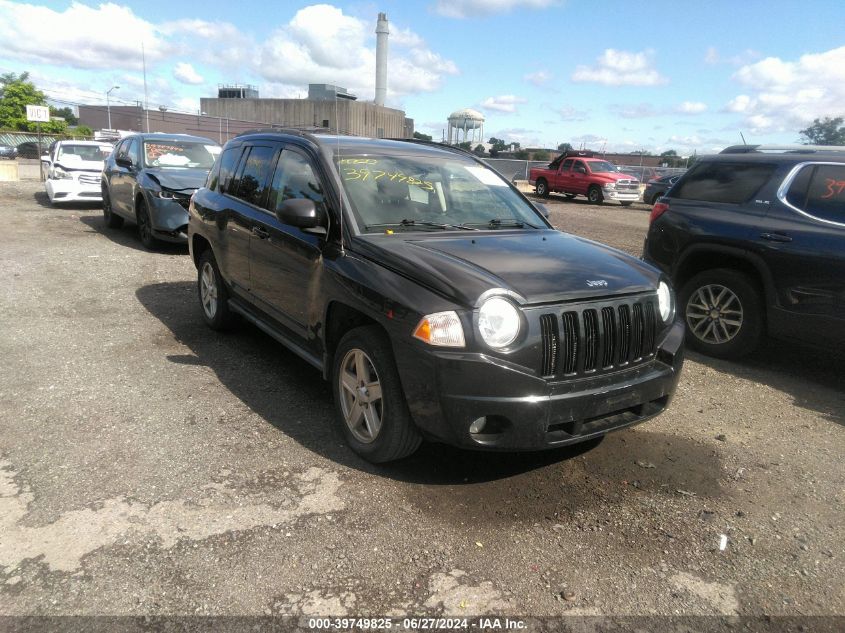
[(436, 298), (754, 237)]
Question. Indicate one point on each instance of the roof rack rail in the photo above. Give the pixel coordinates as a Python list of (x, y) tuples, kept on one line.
[(305, 131), (420, 141), (782, 149)]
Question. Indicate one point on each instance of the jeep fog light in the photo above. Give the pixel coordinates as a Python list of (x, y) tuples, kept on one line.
[(498, 322), (477, 426), (664, 301), (442, 329)]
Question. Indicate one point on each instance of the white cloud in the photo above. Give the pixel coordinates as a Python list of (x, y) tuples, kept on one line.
[(785, 96), (323, 45), (539, 78), (106, 36), (503, 103), (569, 113), (691, 107), (186, 74), (621, 68), (476, 8), (712, 57), (634, 110)]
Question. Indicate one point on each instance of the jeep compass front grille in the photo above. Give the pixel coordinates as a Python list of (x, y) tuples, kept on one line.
[(598, 338)]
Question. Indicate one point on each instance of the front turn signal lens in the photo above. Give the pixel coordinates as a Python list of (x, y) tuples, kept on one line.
[(441, 329)]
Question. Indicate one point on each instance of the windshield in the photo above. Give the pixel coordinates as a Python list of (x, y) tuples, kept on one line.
[(602, 166), (179, 154), (420, 192), (82, 152)]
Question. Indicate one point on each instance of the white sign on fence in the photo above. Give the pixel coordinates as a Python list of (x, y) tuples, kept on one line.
[(38, 113)]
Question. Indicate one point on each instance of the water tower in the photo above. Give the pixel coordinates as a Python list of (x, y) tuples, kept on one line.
[(466, 121)]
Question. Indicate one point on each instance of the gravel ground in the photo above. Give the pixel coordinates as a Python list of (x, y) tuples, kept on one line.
[(151, 466)]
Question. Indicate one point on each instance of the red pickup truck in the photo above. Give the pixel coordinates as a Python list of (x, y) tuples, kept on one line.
[(580, 173)]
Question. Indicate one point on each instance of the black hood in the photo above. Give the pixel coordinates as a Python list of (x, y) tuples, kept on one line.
[(540, 266), (178, 179)]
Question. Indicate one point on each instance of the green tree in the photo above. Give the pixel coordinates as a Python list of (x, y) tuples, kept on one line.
[(564, 147), (497, 144), (465, 145), (66, 113), (827, 131), (522, 154), (421, 136), (82, 130), (17, 94), (539, 154), (479, 150), (669, 152)]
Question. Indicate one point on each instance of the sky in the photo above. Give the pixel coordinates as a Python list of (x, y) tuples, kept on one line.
[(612, 75)]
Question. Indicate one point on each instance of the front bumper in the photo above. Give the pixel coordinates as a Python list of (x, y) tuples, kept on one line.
[(621, 196), (447, 392), (72, 190), (169, 219)]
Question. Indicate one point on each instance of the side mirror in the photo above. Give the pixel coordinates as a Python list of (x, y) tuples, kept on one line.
[(299, 212), (45, 158), (543, 209), (123, 161)]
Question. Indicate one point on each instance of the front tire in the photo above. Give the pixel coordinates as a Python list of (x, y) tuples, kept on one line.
[(723, 311), (370, 405), (213, 295), (145, 226), (112, 220), (542, 188), (594, 195)]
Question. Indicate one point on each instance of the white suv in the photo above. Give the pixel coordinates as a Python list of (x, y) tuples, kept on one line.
[(73, 170)]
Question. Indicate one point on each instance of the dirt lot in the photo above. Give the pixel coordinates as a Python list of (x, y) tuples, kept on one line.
[(151, 466)]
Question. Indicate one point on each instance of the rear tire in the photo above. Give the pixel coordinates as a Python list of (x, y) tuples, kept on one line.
[(542, 188), (369, 402), (594, 195), (723, 310), (212, 292), (112, 220)]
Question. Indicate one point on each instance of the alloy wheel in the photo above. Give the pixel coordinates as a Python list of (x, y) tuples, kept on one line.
[(714, 314), (360, 396), (208, 290)]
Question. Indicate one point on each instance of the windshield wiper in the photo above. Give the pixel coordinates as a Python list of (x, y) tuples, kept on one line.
[(407, 222), (498, 223)]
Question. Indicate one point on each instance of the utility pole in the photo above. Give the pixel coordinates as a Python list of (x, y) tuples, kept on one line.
[(108, 103)]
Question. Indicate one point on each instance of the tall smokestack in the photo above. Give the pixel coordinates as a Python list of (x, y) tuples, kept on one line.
[(381, 58)]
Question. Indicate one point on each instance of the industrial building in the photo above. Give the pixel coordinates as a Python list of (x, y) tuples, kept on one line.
[(238, 108)]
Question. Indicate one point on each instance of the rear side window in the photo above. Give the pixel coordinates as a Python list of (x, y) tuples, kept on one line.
[(732, 183), (253, 179), (223, 174), (819, 191)]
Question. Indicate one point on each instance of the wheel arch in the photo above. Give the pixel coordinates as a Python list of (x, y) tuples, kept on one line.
[(340, 318), (198, 246), (699, 258)]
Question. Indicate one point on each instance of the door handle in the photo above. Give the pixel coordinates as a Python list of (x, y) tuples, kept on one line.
[(776, 237), (260, 232)]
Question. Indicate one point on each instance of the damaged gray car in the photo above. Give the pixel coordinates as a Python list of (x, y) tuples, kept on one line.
[(149, 180)]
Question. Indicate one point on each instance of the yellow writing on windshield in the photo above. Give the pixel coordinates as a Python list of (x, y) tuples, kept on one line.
[(366, 174), (357, 161)]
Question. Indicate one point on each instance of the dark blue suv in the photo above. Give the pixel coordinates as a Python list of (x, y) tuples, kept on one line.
[(754, 238), (149, 180)]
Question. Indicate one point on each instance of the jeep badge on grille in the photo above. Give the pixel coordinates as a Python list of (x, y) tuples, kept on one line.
[(593, 283)]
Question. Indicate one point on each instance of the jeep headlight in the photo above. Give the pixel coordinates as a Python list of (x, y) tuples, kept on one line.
[(167, 195), (664, 301), (498, 322), (61, 174)]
